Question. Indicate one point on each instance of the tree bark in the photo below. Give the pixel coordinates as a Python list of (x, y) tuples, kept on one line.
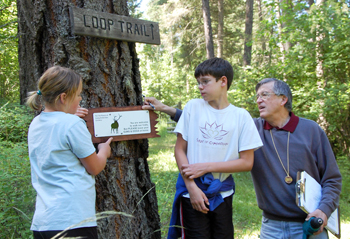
[(220, 28), (247, 55), (111, 77), (207, 29), (311, 2)]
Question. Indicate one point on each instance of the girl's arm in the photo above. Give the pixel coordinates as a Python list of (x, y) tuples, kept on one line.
[(95, 163), (244, 163), (197, 196)]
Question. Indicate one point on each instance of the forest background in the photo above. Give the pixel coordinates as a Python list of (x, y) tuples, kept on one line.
[(304, 43)]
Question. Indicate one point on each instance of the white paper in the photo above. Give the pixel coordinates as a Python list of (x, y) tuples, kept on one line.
[(121, 123), (310, 200)]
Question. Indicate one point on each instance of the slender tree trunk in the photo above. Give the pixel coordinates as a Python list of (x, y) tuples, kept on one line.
[(111, 77), (283, 8), (319, 54), (263, 40), (322, 82), (207, 29), (220, 28), (247, 55)]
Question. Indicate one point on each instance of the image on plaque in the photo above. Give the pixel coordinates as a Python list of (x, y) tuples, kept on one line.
[(121, 123)]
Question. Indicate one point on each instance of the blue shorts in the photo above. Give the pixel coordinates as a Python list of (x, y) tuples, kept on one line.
[(272, 229), (215, 224)]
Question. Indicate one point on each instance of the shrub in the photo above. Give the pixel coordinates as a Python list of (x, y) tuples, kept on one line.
[(17, 198), (14, 122)]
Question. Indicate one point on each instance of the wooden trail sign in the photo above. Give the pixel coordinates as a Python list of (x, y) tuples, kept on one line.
[(112, 26), (121, 123)]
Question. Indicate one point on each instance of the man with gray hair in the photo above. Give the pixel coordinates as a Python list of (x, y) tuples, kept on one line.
[(291, 144)]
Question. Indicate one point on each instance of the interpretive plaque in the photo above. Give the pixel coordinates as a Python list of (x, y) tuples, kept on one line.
[(121, 123)]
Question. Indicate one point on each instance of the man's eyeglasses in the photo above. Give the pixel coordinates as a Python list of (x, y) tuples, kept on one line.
[(264, 95)]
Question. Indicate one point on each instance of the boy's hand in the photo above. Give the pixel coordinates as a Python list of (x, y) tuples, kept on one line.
[(193, 171), (105, 147), (81, 112), (198, 199)]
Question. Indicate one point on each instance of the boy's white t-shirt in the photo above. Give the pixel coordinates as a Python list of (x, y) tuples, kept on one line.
[(65, 190), (216, 135)]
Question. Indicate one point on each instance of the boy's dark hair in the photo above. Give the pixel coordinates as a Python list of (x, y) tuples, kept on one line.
[(216, 67)]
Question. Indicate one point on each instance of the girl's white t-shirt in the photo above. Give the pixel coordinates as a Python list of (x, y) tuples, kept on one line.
[(65, 191)]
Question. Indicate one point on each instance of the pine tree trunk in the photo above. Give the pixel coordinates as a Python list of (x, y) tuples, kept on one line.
[(260, 13), (247, 55), (111, 77), (208, 32), (220, 28)]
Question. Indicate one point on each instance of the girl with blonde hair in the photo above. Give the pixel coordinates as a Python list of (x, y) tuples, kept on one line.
[(63, 158)]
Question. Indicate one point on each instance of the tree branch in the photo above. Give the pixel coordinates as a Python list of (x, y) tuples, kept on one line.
[(6, 24)]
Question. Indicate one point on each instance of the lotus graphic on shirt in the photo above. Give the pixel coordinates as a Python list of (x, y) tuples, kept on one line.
[(213, 131)]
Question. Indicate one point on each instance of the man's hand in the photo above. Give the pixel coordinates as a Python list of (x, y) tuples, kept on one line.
[(81, 112), (156, 103), (198, 199), (158, 106), (319, 214), (193, 171)]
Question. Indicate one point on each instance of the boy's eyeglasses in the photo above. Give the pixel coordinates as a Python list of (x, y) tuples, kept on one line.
[(203, 83), (264, 95)]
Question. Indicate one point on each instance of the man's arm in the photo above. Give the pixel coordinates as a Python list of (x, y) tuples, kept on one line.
[(197, 197), (244, 163), (331, 181)]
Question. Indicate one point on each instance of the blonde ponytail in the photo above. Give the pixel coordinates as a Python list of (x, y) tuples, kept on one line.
[(34, 101), (55, 81)]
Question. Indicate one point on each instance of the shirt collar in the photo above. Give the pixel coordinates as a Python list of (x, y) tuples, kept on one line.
[(290, 126)]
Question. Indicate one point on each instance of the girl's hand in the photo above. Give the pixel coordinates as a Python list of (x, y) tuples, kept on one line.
[(198, 199), (81, 112), (105, 147), (194, 170)]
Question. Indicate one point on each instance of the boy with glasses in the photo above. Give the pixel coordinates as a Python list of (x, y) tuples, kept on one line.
[(214, 139)]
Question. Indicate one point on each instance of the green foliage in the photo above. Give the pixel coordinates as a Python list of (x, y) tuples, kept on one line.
[(306, 46), (17, 195), (17, 198), (344, 167), (14, 122), (133, 6), (9, 83), (167, 70)]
